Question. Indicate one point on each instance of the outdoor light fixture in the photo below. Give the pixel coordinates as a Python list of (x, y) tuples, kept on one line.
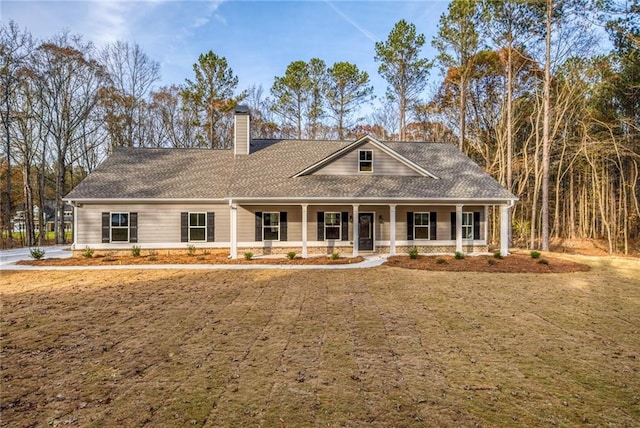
[(380, 219)]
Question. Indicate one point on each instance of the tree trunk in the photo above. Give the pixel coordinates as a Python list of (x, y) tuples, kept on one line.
[(546, 143)]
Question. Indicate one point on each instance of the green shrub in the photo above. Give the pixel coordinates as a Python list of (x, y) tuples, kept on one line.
[(152, 258), (335, 256), (543, 261), (413, 253), (248, 255), (291, 255), (153, 253), (135, 251), (441, 261), (498, 255), (36, 253), (492, 261), (206, 252), (191, 250), (535, 254), (459, 255), (87, 253)]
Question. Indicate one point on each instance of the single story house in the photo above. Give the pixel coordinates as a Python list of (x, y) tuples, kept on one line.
[(276, 196)]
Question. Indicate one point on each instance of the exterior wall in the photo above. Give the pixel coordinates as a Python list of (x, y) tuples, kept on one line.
[(158, 225), (159, 228), (443, 223), (383, 164)]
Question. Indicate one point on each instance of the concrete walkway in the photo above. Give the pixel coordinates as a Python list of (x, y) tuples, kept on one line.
[(50, 252), (369, 262)]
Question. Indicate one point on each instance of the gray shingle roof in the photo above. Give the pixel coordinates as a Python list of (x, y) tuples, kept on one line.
[(134, 173)]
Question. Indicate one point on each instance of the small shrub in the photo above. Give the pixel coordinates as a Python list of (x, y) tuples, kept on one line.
[(335, 256), (413, 253), (291, 255), (135, 251), (535, 254), (498, 255), (152, 258), (459, 255), (191, 250), (200, 258), (248, 255), (206, 252), (543, 261), (36, 253), (153, 253), (87, 253), (492, 261), (441, 261), (108, 258)]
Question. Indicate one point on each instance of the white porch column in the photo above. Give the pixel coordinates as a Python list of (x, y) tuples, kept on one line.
[(392, 230), (504, 230), (355, 230), (304, 231), (459, 228), (233, 232)]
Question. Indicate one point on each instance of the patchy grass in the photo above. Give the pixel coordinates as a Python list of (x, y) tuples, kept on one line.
[(381, 347)]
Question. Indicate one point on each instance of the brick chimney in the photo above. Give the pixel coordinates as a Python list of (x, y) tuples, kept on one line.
[(241, 130)]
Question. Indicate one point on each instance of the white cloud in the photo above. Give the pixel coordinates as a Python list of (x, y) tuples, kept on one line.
[(109, 20)]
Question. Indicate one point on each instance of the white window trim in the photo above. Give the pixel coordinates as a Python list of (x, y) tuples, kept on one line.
[(264, 215), (197, 227), (127, 227), (360, 161), (339, 226), (469, 215), (428, 227)]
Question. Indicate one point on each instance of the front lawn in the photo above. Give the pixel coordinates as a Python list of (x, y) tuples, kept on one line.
[(375, 347)]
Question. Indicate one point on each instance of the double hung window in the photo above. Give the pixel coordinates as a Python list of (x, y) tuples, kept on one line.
[(332, 226), (119, 227), (365, 161), (197, 227), (467, 225), (421, 226), (271, 226)]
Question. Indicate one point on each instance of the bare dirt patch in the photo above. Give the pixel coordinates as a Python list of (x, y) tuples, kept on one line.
[(514, 263), (376, 347)]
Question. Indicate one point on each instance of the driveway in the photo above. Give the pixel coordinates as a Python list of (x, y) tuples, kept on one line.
[(12, 256)]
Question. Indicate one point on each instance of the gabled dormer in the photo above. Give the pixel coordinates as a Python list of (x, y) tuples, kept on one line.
[(366, 156)]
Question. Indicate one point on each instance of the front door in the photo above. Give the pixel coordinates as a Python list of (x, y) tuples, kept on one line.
[(365, 232)]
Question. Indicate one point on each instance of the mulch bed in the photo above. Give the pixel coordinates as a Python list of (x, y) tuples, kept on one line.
[(514, 263), (182, 259)]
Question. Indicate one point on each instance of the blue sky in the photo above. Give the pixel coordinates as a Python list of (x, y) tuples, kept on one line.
[(258, 38)]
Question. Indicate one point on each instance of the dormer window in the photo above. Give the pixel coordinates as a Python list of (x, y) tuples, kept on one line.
[(365, 161)]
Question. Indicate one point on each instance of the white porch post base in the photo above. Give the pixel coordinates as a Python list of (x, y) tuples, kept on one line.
[(504, 230), (304, 231), (392, 230), (458, 228), (355, 230), (234, 230)]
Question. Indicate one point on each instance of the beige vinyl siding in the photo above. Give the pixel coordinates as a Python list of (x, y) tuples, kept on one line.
[(312, 217), (443, 222), (383, 164), (157, 223), (247, 221), (241, 134)]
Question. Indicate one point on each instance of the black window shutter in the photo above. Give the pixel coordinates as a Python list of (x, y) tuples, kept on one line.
[(433, 225), (320, 226), (344, 219), (410, 226), (476, 225), (283, 225), (258, 226), (106, 227), (453, 225), (184, 227), (211, 227), (133, 227)]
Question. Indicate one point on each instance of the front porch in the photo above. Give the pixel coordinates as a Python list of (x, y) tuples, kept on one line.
[(355, 229)]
